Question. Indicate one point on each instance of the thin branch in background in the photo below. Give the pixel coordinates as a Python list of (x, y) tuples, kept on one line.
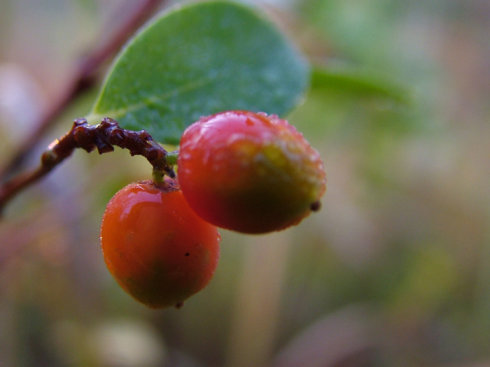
[(83, 78), (102, 137)]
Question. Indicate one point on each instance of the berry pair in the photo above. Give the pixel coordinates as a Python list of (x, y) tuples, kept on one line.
[(238, 170)]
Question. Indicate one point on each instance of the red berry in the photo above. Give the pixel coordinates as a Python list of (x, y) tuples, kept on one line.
[(155, 246), (249, 172)]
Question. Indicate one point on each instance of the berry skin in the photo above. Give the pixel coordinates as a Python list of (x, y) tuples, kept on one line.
[(249, 172), (155, 246)]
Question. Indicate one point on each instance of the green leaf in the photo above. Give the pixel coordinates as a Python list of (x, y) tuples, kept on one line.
[(360, 83), (200, 59)]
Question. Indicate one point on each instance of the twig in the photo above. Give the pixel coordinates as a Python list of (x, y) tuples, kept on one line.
[(102, 137), (83, 78)]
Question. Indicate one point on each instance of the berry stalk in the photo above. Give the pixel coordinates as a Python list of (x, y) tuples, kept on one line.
[(102, 137)]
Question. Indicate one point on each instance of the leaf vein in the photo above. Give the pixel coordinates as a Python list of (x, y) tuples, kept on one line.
[(159, 98)]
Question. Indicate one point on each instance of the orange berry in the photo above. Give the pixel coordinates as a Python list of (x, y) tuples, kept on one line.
[(155, 246), (249, 172)]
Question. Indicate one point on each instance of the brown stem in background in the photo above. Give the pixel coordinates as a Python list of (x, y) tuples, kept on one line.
[(102, 137), (83, 78)]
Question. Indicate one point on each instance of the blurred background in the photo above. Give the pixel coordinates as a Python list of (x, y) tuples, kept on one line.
[(393, 271)]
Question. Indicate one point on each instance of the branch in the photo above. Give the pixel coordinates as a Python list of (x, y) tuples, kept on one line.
[(83, 78), (102, 137)]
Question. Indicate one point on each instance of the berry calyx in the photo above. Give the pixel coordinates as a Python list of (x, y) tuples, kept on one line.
[(249, 172), (155, 246)]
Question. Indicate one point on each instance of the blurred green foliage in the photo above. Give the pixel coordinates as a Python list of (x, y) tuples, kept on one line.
[(393, 271)]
